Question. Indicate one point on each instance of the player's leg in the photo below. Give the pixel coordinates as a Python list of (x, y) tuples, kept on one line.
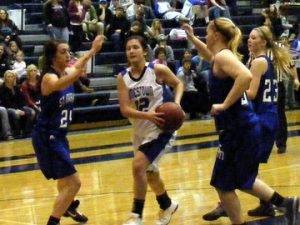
[(139, 167), (167, 206)]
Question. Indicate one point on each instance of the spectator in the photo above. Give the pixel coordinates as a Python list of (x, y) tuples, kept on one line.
[(164, 10), (155, 30), (8, 29), (19, 67), (160, 56), (139, 8), (218, 9), (4, 61), (162, 42), (202, 67), (90, 23), (195, 98), (191, 9), (21, 115), (104, 14), (76, 12), (56, 19), (113, 5), (6, 133), (13, 49), (123, 3), (118, 28), (29, 88)]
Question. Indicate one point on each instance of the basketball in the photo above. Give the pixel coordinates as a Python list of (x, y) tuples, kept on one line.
[(173, 116)]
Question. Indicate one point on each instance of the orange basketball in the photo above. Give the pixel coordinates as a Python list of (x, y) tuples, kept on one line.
[(173, 116)]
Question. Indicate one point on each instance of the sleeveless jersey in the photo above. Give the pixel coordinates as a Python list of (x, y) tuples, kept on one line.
[(145, 95), (266, 98), (238, 115), (56, 110)]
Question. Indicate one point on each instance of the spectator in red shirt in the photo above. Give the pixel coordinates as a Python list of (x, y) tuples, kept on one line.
[(29, 88)]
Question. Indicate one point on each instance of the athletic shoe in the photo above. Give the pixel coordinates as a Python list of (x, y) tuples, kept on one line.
[(134, 220), (290, 206), (265, 209), (281, 150), (166, 215), (215, 214), (74, 213)]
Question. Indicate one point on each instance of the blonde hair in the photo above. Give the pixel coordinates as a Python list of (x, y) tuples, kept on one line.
[(282, 58), (231, 33), (29, 69), (20, 53), (7, 72)]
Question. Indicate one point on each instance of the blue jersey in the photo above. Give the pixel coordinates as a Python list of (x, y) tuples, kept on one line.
[(265, 106), (56, 110), (267, 94), (239, 115), (238, 157)]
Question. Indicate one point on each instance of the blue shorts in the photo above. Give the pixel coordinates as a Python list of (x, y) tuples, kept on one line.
[(154, 148), (237, 162), (53, 155), (269, 126), (198, 2)]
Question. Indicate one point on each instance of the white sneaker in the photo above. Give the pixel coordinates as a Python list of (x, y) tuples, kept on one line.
[(134, 220), (166, 215)]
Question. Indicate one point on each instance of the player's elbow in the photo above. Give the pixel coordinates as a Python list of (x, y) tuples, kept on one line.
[(124, 111)]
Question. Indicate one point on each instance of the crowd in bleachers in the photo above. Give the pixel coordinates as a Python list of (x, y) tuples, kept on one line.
[(79, 21)]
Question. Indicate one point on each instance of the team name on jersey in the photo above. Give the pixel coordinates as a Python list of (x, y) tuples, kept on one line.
[(66, 99), (141, 91)]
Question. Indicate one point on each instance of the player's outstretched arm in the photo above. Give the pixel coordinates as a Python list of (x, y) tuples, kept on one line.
[(200, 46)]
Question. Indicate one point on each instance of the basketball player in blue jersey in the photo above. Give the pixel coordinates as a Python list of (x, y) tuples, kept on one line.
[(239, 154), (263, 91), (141, 88), (49, 136)]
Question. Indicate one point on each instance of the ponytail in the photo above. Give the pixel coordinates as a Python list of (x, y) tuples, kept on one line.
[(231, 33)]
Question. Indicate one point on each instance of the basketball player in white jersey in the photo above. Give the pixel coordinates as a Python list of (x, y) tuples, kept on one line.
[(141, 88)]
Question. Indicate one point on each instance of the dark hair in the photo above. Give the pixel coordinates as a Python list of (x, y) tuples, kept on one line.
[(160, 50), (50, 49), (140, 39), (185, 60)]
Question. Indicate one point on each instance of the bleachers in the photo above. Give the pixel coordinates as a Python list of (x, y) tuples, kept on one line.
[(107, 63)]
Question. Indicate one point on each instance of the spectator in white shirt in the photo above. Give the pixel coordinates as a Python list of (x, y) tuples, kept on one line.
[(19, 66)]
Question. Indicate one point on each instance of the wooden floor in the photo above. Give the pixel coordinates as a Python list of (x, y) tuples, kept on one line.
[(103, 159)]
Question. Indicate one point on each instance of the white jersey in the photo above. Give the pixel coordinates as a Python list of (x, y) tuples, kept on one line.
[(145, 95)]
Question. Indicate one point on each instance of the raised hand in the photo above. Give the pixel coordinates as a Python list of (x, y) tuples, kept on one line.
[(188, 29), (97, 43)]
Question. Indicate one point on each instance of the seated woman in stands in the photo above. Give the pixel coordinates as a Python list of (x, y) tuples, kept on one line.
[(13, 49), (5, 130), (12, 98), (29, 88), (8, 29), (4, 61), (155, 30)]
